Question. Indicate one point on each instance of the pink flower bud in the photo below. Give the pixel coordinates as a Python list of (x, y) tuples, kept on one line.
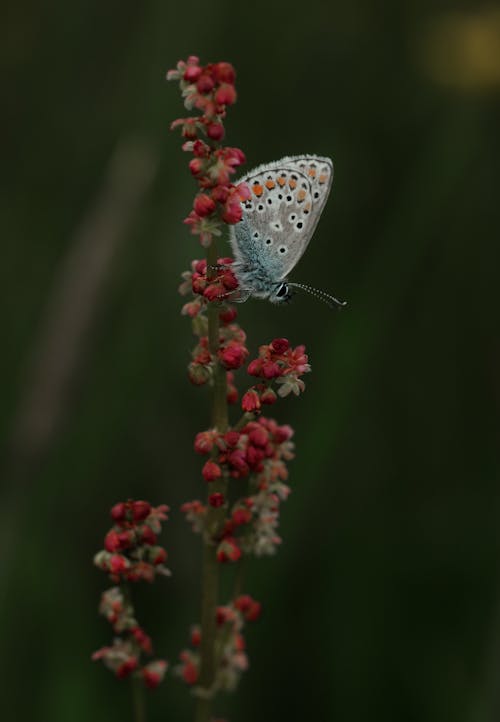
[(204, 441), (233, 356), (233, 212), (211, 471), (283, 433), (196, 166)]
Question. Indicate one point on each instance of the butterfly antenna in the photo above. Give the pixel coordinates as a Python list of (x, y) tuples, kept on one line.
[(322, 295)]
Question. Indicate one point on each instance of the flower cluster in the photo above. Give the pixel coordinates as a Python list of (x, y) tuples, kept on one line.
[(259, 453), (232, 659), (210, 89), (130, 551), (245, 464), (277, 362), (131, 554)]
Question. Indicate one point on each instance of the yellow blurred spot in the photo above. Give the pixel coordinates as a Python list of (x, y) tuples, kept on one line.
[(462, 50)]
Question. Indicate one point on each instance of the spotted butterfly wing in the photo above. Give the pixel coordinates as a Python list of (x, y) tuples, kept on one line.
[(287, 198)]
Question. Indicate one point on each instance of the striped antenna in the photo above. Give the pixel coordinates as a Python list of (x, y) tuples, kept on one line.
[(330, 301)]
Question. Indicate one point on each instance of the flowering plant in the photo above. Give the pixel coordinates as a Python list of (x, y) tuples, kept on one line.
[(131, 554), (245, 459), (234, 520)]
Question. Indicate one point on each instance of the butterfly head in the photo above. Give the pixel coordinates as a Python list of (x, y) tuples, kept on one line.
[(281, 293)]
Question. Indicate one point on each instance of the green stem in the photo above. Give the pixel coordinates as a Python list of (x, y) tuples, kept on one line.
[(139, 702), (215, 521)]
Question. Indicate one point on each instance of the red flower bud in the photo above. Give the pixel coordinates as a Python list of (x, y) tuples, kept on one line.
[(255, 367), (228, 315), (228, 550), (280, 345), (250, 401), (126, 668), (211, 471), (118, 511), (118, 564), (259, 436), (140, 510), (231, 438), (204, 442), (203, 205), (241, 516), (215, 131), (158, 555), (225, 95), (224, 73), (192, 73), (189, 673), (195, 636), (112, 541), (271, 370), (268, 397), (196, 166), (205, 83), (216, 500), (147, 535)]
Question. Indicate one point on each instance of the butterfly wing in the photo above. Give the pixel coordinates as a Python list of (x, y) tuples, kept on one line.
[(278, 222)]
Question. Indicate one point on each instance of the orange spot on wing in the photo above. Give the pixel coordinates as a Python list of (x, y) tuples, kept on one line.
[(293, 184), (312, 172), (301, 195), (323, 178), (270, 184), (281, 181), (307, 207), (258, 190)]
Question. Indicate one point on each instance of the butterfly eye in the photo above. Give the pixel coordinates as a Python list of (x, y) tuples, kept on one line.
[(282, 290)]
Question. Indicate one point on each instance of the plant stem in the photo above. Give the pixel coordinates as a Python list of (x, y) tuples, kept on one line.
[(139, 705), (215, 519)]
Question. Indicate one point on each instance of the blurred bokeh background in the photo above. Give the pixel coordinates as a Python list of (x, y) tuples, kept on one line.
[(384, 600)]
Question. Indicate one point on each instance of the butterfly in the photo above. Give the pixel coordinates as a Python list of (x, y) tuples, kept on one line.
[(279, 219)]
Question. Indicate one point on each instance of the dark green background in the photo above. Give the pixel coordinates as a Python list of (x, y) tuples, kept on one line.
[(383, 602)]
